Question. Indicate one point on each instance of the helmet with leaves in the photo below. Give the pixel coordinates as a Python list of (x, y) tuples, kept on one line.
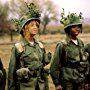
[(32, 13), (71, 19)]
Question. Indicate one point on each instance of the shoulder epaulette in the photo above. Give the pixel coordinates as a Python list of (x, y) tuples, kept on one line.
[(19, 46)]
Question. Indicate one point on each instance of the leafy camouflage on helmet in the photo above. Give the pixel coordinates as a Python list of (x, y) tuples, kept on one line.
[(71, 19), (32, 13)]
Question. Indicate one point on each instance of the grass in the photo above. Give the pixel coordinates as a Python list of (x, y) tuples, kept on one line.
[(49, 43)]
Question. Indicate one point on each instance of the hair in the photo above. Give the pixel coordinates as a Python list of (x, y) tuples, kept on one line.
[(67, 30)]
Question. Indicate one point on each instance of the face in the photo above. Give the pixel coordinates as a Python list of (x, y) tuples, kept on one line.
[(31, 28), (75, 30)]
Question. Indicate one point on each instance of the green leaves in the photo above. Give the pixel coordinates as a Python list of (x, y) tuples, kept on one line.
[(71, 18), (33, 11)]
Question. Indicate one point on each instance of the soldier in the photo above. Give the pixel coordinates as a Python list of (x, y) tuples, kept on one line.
[(2, 76), (69, 64), (26, 67)]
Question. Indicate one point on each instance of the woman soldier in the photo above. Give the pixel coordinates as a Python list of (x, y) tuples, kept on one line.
[(26, 67), (68, 67)]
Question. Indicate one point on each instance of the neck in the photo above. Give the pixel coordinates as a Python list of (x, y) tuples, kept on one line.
[(30, 38), (73, 37)]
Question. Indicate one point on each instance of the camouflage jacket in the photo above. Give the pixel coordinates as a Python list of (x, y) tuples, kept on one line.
[(32, 56), (66, 59)]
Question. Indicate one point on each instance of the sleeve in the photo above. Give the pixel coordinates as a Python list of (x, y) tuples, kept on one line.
[(46, 57), (12, 70), (56, 65), (87, 48), (3, 79), (1, 65)]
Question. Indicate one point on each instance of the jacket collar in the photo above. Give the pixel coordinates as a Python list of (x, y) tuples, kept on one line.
[(26, 42), (68, 40)]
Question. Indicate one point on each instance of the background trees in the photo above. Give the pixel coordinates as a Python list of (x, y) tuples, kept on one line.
[(49, 11), (14, 9), (4, 21)]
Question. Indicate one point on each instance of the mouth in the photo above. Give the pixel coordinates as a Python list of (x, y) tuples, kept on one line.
[(34, 29)]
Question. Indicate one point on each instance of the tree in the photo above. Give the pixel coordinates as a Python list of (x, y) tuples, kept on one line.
[(4, 22), (49, 13), (48, 10)]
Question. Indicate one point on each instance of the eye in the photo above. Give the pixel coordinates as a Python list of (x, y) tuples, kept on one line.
[(31, 24), (37, 24), (74, 26)]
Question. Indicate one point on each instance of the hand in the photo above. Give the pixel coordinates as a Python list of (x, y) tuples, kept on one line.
[(59, 87), (22, 72)]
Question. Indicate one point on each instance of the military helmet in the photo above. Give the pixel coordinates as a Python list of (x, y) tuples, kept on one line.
[(71, 19), (32, 13), (23, 21)]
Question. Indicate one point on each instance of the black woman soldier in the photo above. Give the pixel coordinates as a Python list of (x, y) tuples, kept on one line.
[(69, 64)]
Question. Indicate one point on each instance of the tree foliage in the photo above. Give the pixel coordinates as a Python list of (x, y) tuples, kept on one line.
[(49, 13), (4, 21), (48, 10)]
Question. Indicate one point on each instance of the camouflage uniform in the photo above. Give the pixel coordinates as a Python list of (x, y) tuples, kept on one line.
[(2, 76), (69, 65), (26, 67), (34, 59)]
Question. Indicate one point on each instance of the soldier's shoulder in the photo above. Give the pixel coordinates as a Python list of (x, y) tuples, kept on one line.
[(19, 46), (80, 41), (60, 44), (40, 44)]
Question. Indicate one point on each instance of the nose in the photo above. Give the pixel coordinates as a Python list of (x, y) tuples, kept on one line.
[(35, 26), (78, 29)]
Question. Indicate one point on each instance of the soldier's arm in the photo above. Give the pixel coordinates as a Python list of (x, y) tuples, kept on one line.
[(3, 76), (46, 56), (87, 48), (12, 70), (56, 65)]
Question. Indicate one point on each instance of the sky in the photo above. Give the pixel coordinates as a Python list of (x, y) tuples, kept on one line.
[(75, 6)]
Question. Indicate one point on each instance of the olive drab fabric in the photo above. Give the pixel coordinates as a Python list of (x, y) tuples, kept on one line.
[(26, 67), (69, 62), (2, 76)]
